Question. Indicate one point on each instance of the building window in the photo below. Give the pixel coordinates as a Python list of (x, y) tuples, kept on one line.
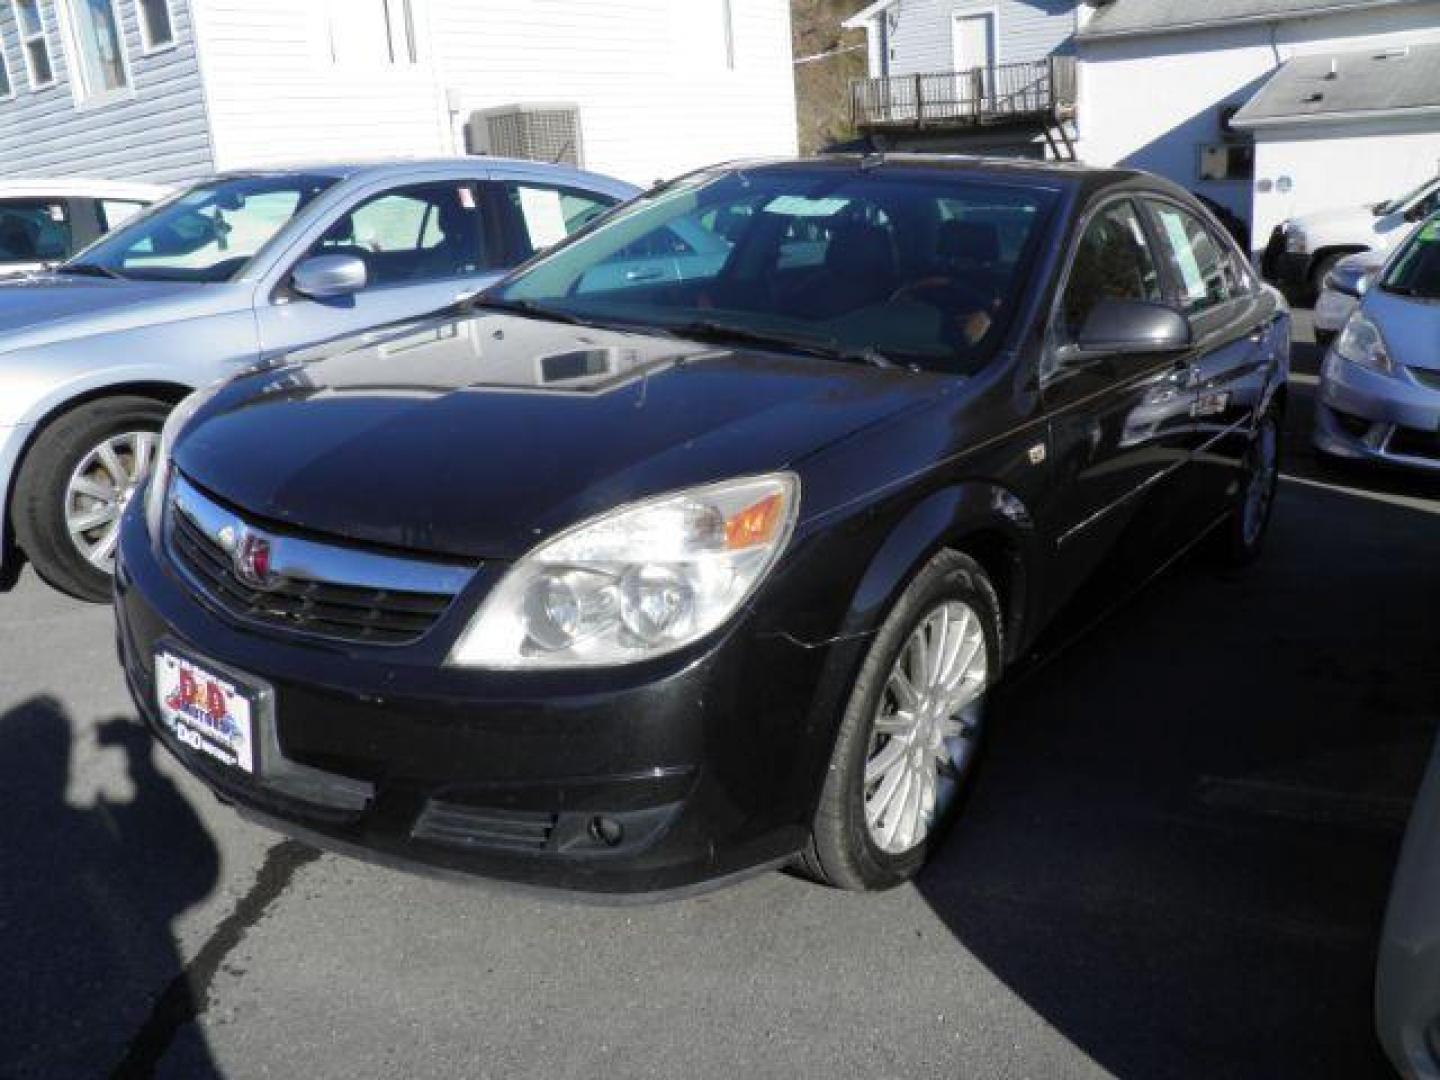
[(7, 88), (34, 44), (372, 32), (157, 25), (727, 13), (99, 49), (1227, 161)]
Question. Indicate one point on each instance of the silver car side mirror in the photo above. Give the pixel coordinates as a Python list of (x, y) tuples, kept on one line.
[(324, 277)]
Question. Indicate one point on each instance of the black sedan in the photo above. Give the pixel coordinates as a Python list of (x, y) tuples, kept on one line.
[(697, 545)]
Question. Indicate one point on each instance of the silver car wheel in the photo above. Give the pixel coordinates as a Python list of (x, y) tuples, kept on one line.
[(1261, 492), (99, 490), (924, 734)]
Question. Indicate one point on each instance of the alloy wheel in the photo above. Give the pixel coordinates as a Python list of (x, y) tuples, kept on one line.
[(925, 730), (99, 490)]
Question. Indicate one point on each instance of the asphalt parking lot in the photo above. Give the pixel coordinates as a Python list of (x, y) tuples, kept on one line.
[(1175, 864)]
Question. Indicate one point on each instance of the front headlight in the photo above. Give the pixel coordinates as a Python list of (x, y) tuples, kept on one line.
[(635, 583), (159, 481), (1361, 343)]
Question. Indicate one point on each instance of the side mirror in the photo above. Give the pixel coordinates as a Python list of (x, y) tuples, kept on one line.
[(324, 277), (1133, 328), (1351, 280)]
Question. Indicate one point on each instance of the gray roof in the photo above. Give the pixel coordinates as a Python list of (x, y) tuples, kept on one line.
[(1131, 18), (1351, 85)]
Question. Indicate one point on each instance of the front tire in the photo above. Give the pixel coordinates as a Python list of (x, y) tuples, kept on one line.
[(1241, 538), (75, 483), (911, 733)]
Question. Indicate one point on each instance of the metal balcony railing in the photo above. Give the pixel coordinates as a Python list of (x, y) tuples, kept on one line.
[(1000, 94)]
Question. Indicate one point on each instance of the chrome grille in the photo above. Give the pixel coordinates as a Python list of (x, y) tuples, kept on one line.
[(326, 591)]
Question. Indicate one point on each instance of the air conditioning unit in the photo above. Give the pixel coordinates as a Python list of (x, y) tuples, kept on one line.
[(546, 132)]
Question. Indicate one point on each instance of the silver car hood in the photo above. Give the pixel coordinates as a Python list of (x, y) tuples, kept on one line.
[(43, 309), (1411, 327)]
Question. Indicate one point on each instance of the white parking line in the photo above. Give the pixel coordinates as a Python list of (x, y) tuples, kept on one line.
[(1427, 505)]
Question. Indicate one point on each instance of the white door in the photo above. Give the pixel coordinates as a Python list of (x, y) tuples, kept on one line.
[(974, 37)]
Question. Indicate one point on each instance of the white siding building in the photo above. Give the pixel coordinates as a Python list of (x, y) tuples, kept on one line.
[(1160, 80), (659, 86)]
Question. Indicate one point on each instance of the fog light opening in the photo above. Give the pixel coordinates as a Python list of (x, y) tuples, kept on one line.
[(606, 831)]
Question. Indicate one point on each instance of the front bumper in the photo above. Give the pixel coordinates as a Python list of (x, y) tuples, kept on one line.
[(12, 444), (1366, 416), (642, 780)]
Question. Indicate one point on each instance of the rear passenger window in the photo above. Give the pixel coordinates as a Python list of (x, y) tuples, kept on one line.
[(1114, 262), (1203, 267), (547, 215), (115, 212)]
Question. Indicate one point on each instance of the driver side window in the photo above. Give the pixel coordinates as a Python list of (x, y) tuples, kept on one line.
[(1113, 261), (412, 235)]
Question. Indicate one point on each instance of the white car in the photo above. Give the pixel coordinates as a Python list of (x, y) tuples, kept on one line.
[(1304, 249), (1341, 291), (46, 221)]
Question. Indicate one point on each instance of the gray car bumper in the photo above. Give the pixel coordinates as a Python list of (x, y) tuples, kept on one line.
[(1364, 415)]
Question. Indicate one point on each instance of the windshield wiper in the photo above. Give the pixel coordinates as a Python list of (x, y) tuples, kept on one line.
[(528, 308), (90, 270), (827, 348)]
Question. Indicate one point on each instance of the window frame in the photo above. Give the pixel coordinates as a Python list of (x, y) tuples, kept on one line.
[(148, 46), (85, 96), (401, 42), (1245, 285), (517, 245), (488, 239), (71, 223), (1136, 198), (26, 41), (10, 88)]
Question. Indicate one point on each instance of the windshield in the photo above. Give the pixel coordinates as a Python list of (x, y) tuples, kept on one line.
[(208, 234), (923, 270), (1406, 199), (1415, 270)]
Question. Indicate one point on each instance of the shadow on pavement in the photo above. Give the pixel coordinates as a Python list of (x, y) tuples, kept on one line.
[(1180, 848), (87, 898)]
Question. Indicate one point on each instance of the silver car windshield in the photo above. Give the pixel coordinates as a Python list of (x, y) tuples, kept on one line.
[(208, 234), (924, 270), (1416, 268)]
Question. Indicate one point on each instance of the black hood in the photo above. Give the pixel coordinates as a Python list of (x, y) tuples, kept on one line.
[(480, 436)]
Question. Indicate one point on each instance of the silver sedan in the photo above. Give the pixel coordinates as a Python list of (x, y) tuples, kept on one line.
[(234, 270), (1379, 397)]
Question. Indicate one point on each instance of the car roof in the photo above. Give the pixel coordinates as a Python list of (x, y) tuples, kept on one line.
[(72, 187), (399, 168), (1063, 173)]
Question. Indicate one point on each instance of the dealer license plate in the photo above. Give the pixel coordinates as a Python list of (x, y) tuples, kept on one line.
[(207, 712)]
